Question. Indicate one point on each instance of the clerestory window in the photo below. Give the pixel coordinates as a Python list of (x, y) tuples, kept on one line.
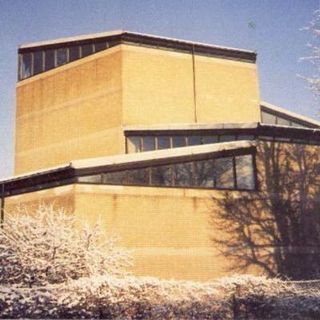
[(233, 172)]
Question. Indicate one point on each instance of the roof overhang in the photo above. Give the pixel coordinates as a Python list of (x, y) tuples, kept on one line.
[(127, 37), (253, 128), (68, 173)]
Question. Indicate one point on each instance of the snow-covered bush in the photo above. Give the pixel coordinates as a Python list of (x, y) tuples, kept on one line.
[(52, 268), (50, 246), (105, 297)]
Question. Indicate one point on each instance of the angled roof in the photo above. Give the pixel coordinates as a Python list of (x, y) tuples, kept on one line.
[(127, 37), (265, 106), (68, 173)]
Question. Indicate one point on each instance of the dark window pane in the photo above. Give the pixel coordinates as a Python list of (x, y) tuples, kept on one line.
[(195, 140), (49, 59), (138, 176), (183, 174), (298, 125), (99, 46), (37, 62), (26, 65), (210, 139), (283, 139), (224, 177), (245, 137), (161, 176), (134, 144), (283, 122), (148, 143), (268, 138), (204, 173), (62, 56), (119, 177), (245, 173), (163, 142), (227, 137), (268, 118), (91, 179), (74, 53), (178, 141), (86, 50)]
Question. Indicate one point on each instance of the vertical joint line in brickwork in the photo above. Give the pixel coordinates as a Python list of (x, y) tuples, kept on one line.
[(194, 85)]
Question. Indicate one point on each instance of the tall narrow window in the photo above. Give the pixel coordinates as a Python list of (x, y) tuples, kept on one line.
[(134, 144), (26, 65), (74, 53), (204, 173), (49, 59), (99, 46), (86, 50), (224, 173), (183, 174), (161, 175), (163, 142), (245, 173), (62, 56), (148, 143), (37, 62)]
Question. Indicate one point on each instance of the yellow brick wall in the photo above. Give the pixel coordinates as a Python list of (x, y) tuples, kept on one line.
[(158, 88), (71, 112), (78, 110), (168, 231), (226, 91), (59, 197)]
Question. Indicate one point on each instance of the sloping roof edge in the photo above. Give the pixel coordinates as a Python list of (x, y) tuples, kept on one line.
[(133, 158), (288, 113), (125, 37)]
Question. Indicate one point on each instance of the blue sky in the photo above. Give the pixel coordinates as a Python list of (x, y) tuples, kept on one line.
[(270, 27)]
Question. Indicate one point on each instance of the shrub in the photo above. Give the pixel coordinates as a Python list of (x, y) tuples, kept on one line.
[(50, 246)]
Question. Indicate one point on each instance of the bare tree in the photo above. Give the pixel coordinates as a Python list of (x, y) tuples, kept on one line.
[(277, 228), (314, 29)]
